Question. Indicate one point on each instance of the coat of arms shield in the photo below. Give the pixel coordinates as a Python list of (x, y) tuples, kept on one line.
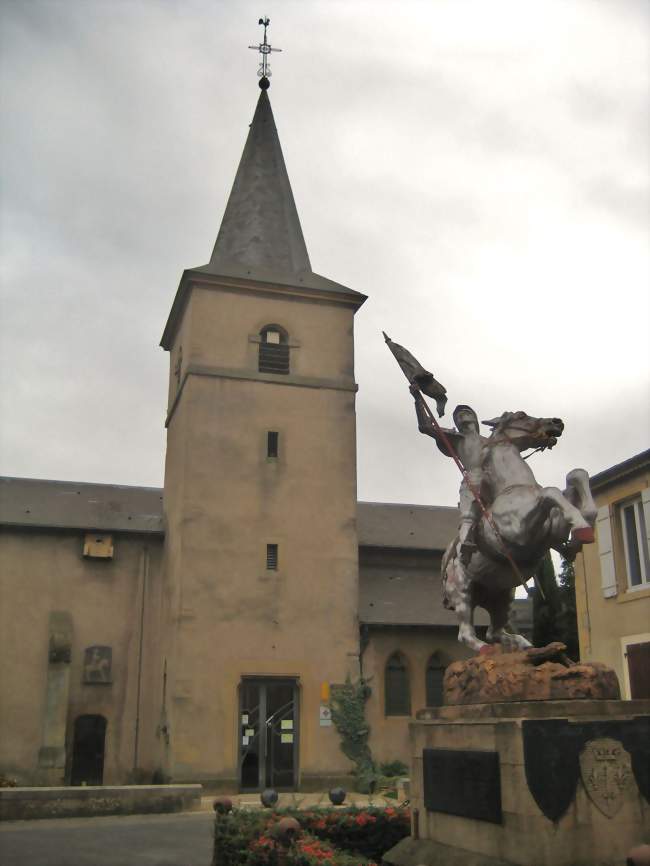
[(606, 771)]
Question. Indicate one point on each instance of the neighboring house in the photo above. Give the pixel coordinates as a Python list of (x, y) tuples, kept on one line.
[(613, 576)]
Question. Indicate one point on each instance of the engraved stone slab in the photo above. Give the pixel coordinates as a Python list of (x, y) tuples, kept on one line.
[(463, 782), (97, 665), (606, 772)]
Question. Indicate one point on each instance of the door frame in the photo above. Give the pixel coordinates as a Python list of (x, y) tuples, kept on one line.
[(263, 681)]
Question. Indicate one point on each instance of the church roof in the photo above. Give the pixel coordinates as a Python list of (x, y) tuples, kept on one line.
[(114, 507), (418, 527), (394, 592), (79, 505)]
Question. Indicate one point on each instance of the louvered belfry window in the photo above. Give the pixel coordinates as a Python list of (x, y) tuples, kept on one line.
[(396, 686), (274, 350)]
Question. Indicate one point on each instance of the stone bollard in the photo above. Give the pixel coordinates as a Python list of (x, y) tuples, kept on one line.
[(269, 798), (285, 832), (222, 805)]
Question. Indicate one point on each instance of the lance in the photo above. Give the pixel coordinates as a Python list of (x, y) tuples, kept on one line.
[(424, 381)]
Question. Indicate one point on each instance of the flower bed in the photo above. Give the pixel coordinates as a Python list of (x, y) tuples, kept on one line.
[(329, 837), (369, 832)]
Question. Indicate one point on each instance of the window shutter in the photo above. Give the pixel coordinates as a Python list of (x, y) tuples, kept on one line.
[(607, 572), (645, 499), (638, 665)]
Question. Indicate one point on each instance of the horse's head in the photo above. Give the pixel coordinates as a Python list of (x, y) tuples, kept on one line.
[(525, 431)]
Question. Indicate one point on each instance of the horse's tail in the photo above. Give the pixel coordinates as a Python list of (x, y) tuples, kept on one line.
[(447, 556)]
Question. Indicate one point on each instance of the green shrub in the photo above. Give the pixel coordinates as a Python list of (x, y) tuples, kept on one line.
[(233, 834), (394, 768)]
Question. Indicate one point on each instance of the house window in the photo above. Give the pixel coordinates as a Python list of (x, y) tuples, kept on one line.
[(272, 557), (397, 689), (272, 440), (434, 676), (635, 542), (274, 350)]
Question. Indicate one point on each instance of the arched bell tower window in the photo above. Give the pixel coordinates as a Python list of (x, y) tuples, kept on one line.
[(434, 677), (274, 350), (396, 686)]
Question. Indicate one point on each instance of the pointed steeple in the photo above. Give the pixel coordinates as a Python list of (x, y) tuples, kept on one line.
[(260, 226)]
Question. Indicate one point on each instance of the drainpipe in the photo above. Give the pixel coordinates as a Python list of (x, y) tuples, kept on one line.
[(145, 575)]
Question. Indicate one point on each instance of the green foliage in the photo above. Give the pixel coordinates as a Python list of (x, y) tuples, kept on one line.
[(545, 609), (393, 769), (348, 704), (233, 834), (338, 837), (568, 618), (554, 617)]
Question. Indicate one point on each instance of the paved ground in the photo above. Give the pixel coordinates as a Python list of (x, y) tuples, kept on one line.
[(183, 839)]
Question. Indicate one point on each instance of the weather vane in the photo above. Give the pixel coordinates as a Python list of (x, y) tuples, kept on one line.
[(264, 48)]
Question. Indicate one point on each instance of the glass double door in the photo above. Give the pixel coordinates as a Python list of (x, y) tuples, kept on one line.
[(268, 734)]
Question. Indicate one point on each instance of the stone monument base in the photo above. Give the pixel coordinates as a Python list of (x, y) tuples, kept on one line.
[(536, 783)]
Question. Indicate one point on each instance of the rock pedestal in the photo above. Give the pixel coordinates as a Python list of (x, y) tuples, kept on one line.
[(533, 783), (543, 674)]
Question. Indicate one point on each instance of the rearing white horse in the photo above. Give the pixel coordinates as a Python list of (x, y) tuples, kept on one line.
[(525, 518)]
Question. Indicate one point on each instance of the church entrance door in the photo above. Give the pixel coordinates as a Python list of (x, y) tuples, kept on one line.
[(268, 738), (88, 750)]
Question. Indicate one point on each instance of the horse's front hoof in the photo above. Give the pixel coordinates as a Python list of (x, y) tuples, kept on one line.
[(585, 535)]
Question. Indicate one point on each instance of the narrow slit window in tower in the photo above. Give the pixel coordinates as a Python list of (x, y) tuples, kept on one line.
[(272, 557), (272, 441)]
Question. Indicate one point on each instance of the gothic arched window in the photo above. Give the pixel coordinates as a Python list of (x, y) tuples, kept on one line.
[(434, 677), (396, 686), (274, 350)]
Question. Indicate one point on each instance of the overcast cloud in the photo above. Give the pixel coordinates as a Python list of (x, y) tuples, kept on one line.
[(479, 169)]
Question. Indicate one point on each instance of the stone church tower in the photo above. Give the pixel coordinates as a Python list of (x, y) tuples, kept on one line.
[(261, 554)]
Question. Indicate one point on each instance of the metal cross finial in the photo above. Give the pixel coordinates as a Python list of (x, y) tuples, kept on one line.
[(264, 48)]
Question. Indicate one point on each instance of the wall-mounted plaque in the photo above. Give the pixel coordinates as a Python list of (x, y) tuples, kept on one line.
[(97, 665), (463, 782)]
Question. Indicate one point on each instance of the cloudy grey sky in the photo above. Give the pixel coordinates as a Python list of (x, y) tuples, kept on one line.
[(479, 169)]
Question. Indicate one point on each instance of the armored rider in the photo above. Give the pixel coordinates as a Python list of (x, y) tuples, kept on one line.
[(469, 446)]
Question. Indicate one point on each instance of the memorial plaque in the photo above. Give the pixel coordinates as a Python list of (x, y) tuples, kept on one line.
[(460, 782)]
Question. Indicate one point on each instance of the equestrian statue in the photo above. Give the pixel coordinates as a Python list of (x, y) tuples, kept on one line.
[(508, 522)]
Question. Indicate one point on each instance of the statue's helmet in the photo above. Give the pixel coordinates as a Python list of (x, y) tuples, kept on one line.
[(464, 410)]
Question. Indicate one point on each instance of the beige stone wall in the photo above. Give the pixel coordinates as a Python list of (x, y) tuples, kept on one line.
[(43, 571), (225, 501), (389, 737), (606, 625)]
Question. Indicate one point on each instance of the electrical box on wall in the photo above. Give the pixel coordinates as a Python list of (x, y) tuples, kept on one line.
[(98, 545)]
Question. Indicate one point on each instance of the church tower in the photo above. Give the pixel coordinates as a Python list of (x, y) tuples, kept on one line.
[(261, 557)]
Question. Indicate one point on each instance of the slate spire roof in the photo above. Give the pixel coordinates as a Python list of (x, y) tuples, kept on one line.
[(260, 227), (260, 239), (260, 236)]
